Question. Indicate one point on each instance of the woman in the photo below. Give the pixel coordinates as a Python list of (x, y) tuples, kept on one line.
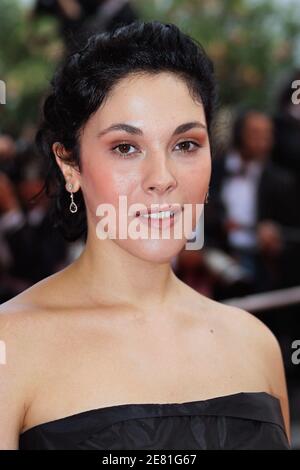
[(114, 351)]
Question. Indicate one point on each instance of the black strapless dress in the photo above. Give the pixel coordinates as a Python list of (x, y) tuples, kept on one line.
[(246, 420)]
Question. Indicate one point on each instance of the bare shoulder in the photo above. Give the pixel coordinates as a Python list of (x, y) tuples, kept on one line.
[(23, 317), (240, 329), (246, 331), (15, 372), (250, 328), (244, 339), (16, 317), (238, 323), (253, 337), (22, 347)]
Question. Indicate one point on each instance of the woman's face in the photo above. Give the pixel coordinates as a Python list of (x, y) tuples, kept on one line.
[(146, 163)]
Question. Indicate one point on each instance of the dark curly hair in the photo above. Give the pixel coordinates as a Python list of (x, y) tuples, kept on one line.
[(85, 78)]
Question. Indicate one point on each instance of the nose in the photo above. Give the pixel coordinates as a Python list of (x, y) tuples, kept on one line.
[(159, 178)]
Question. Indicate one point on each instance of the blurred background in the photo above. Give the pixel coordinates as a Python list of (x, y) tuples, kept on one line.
[(251, 252)]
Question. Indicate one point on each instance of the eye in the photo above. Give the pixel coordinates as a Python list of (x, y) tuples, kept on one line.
[(185, 146), (122, 149), (123, 146)]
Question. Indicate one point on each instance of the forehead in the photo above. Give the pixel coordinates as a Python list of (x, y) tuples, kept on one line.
[(160, 98)]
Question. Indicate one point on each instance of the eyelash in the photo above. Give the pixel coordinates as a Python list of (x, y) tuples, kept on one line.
[(127, 155)]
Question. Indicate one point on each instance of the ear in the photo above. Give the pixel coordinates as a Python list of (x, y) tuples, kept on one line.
[(70, 173)]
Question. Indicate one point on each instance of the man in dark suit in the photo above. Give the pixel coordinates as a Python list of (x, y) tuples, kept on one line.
[(253, 212)]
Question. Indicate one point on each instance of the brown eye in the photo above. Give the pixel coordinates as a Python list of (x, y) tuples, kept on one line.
[(123, 149), (185, 146)]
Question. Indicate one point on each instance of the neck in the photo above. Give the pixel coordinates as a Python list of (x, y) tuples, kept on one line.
[(112, 276)]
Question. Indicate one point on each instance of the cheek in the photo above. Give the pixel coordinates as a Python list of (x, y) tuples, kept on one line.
[(195, 181), (104, 184)]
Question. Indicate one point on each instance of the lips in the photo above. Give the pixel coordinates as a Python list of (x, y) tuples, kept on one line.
[(156, 208)]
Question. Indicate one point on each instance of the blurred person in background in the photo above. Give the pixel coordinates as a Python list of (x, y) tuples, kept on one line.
[(253, 205), (286, 121), (29, 247), (192, 270), (8, 151), (81, 18), (11, 219)]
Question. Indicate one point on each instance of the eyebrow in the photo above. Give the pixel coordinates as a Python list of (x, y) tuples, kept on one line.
[(136, 131)]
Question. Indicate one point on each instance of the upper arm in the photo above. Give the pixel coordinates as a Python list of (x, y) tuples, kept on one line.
[(12, 383)]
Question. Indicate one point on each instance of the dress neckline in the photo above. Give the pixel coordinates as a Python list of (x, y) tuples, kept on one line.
[(157, 408)]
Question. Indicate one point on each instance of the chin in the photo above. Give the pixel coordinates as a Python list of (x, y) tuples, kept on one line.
[(157, 251)]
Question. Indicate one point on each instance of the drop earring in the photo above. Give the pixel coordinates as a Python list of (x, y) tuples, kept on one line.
[(73, 206)]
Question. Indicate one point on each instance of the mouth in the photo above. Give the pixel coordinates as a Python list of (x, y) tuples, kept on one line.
[(162, 212), (160, 218)]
